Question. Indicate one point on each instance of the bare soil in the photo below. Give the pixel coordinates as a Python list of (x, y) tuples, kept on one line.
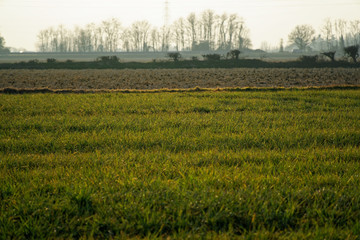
[(178, 78)]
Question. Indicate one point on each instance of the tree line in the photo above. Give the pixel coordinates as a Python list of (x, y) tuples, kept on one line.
[(334, 35), (3, 49), (205, 31)]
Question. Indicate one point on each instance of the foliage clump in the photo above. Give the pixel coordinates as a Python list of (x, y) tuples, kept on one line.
[(307, 59), (108, 59), (212, 57), (3, 49), (330, 54), (33, 61), (302, 36), (352, 51), (234, 54), (174, 56), (51, 60)]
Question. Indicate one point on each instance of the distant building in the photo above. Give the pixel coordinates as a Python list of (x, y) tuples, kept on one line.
[(201, 46), (297, 51)]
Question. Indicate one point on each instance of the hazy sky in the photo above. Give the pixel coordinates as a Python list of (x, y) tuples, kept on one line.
[(268, 20)]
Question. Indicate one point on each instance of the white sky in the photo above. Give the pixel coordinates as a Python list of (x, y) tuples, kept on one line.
[(268, 20)]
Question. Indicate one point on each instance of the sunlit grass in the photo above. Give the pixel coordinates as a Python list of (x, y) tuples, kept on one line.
[(257, 164)]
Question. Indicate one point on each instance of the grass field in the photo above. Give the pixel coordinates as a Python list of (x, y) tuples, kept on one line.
[(211, 164)]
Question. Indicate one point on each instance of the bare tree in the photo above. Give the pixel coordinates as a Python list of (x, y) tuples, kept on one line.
[(223, 30), (327, 31), (243, 36), (145, 25), (302, 36), (62, 33), (340, 29), (165, 38), (139, 33), (111, 29), (100, 39), (191, 27), (2, 42), (126, 40), (208, 23), (3, 49), (281, 48), (265, 46), (91, 33), (354, 28), (80, 40), (340, 33), (155, 39), (43, 41), (136, 36), (233, 23), (54, 42), (209, 31), (179, 33)]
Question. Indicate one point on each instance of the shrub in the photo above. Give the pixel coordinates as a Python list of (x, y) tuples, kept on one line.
[(234, 54), (212, 57), (174, 55), (108, 59), (34, 61), (4, 50), (308, 59), (352, 51), (51, 60), (330, 55)]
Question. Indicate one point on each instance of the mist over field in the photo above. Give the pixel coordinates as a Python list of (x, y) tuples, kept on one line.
[(267, 22)]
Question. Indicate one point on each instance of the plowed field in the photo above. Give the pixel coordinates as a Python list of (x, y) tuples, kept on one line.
[(177, 78)]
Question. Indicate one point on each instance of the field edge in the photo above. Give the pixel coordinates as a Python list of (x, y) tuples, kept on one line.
[(11, 90)]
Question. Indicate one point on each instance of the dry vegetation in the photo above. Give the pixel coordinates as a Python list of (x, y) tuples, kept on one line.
[(177, 78)]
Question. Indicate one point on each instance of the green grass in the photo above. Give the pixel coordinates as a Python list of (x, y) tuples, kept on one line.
[(213, 165)]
